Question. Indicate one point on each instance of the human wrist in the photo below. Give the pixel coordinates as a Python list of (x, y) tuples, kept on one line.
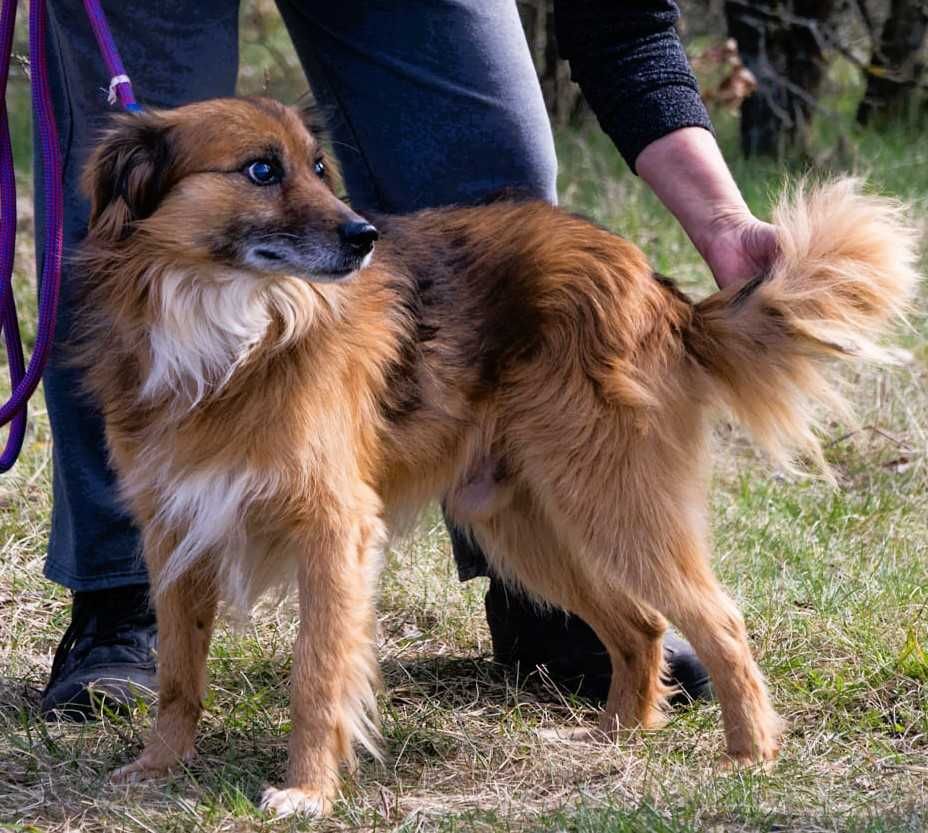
[(717, 223), (687, 172)]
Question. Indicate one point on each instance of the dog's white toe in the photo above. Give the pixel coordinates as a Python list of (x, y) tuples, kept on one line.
[(293, 801)]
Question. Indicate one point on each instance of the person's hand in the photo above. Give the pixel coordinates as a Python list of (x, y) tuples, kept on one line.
[(739, 248)]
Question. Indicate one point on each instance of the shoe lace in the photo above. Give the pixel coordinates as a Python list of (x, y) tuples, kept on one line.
[(80, 620)]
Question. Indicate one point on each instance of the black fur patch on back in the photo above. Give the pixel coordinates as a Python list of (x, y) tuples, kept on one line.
[(403, 396), (500, 297), (510, 331)]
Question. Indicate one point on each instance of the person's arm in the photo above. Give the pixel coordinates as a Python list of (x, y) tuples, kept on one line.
[(633, 71)]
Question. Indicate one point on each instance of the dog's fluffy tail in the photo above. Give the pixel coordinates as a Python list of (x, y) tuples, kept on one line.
[(846, 271)]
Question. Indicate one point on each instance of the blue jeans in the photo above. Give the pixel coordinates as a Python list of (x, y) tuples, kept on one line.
[(434, 102)]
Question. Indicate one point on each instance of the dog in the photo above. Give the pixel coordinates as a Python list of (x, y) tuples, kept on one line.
[(284, 380)]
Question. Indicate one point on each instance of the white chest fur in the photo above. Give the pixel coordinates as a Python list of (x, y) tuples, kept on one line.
[(205, 327), (204, 514)]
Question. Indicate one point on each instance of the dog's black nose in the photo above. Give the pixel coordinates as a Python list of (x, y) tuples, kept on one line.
[(359, 236)]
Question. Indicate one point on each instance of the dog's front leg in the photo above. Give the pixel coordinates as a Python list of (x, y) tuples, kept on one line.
[(186, 610), (334, 666)]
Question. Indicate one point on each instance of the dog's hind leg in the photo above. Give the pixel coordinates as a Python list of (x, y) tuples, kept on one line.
[(633, 634), (629, 488), (654, 545), (335, 671), (524, 547), (678, 580), (185, 610)]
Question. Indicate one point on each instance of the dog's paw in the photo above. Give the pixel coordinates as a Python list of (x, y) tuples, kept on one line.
[(136, 772), (148, 766), (293, 801), (733, 763), (758, 749), (763, 757), (612, 727)]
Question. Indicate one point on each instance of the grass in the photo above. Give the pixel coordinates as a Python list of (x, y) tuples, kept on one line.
[(833, 584)]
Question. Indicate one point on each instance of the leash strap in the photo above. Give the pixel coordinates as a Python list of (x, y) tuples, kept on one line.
[(8, 318), (120, 88), (24, 380)]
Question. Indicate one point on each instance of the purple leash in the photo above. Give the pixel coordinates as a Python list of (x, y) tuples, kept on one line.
[(120, 86), (24, 380), (8, 319)]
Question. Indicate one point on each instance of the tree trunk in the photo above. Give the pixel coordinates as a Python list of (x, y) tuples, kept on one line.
[(562, 97), (897, 64), (780, 43)]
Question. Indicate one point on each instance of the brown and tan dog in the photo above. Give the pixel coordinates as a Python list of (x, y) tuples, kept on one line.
[(278, 394)]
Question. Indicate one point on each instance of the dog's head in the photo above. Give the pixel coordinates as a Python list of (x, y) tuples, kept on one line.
[(239, 182)]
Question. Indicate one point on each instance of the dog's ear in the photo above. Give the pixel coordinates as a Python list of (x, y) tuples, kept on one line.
[(128, 174), (316, 118)]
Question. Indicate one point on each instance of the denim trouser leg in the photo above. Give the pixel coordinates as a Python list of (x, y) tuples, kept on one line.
[(175, 52), (434, 102)]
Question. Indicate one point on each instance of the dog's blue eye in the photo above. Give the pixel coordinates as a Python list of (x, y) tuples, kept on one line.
[(264, 172), (319, 168)]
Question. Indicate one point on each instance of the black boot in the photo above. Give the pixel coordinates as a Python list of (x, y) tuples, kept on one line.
[(106, 656), (571, 652)]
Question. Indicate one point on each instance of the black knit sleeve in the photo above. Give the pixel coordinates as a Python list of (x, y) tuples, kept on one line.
[(631, 67)]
